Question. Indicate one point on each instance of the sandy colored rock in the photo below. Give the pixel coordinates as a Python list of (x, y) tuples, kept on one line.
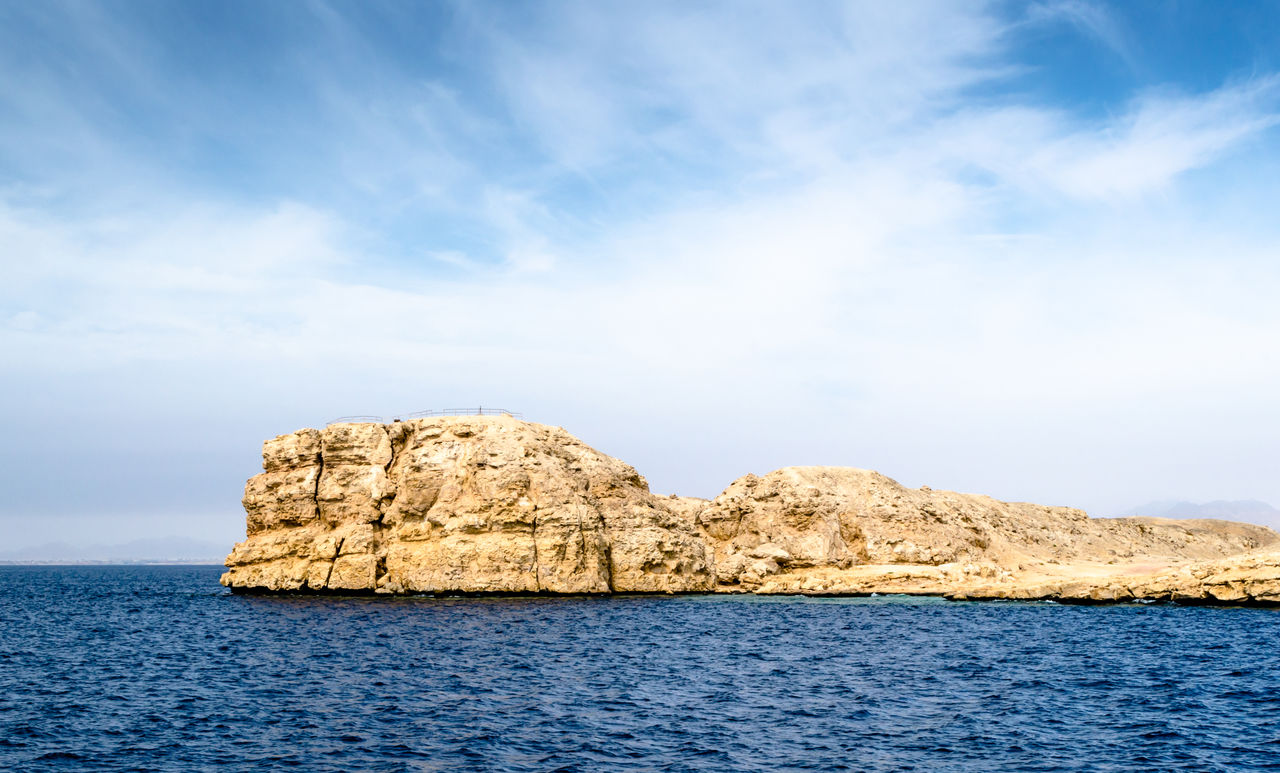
[(844, 530), (1249, 578), (459, 504), (496, 505), (284, 495), (354, 486)]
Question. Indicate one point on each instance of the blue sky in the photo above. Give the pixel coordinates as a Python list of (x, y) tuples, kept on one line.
[(1023, 249)]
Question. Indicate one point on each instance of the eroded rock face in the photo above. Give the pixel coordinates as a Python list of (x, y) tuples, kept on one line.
[(284, 494), (796, 524), (496, 505), (458, 504)]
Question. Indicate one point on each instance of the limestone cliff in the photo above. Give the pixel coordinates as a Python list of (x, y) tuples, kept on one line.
[(458, 504), (494, 504)]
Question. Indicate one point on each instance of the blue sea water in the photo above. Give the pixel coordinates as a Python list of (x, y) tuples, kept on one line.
[(159, 668)]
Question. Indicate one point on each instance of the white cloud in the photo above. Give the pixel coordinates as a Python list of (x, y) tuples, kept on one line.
[(1161, 138), (873, 272)]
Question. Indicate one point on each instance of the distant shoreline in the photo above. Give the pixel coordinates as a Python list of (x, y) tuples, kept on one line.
[(116, 562)]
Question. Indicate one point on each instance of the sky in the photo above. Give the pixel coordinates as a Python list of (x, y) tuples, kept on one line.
[(1021, 249)]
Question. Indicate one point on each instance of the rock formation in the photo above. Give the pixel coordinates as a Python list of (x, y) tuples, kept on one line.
[(458, 504), (841, 530), (1249, 578), (493, 504)]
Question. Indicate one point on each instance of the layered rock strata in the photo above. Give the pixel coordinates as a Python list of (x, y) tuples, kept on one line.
[(1251, 578), (458, 504), (496, 505)]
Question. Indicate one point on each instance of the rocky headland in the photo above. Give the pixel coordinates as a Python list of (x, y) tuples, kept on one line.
[(481, 504)]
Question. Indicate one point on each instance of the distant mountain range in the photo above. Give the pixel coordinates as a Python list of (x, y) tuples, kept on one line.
[(1248, 510), (153, 550)]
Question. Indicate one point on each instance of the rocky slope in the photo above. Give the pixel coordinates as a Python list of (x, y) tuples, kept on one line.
[(494, 504)]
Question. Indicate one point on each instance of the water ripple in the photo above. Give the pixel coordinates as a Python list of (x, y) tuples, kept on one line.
[(156, 668)]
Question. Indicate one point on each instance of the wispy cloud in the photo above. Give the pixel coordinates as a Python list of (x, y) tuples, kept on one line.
[(1090, 18), (1161, 137)]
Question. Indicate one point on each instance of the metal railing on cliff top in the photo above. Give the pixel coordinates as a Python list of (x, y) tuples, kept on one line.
[(477, 411)]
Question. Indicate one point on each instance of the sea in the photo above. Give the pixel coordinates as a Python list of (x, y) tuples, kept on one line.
[(158, 668)]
